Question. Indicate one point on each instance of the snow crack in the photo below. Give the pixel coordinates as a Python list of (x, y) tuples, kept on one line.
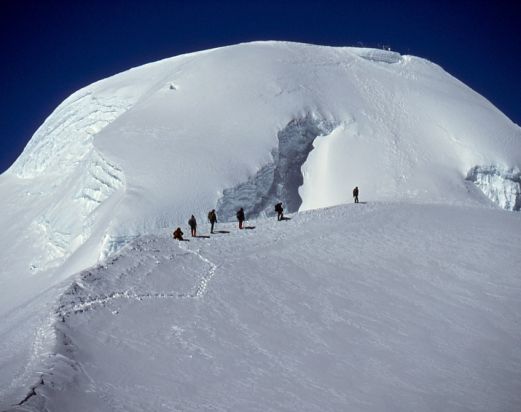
[(281, 179), (100, 181)]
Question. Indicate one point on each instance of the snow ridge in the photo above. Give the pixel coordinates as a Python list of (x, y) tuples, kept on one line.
[(297, 321), (92, 290), (379, 56)]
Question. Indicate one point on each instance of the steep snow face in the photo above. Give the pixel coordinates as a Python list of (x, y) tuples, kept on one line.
[(67, 135), (65, 224), (247, 125)]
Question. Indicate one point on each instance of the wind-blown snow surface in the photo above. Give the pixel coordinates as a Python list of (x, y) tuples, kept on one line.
[(244, 125), (376, 307)]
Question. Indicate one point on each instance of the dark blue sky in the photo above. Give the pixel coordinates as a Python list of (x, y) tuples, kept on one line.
[(50, 48)]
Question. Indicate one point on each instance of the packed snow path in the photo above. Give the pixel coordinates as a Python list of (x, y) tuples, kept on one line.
[(383, 307), (139, 271)]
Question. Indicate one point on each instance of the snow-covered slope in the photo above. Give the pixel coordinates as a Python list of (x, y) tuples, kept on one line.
[(369, 307), (235, 125), (244, 125)]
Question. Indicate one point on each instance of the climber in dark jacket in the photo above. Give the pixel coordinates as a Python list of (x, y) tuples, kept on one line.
[(279, 209), (178, 234), (212, 218), (193, 225), (240, 217), (355, 194)]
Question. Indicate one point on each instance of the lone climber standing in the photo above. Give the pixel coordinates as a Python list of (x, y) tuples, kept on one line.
[(240, 217), (355, 194), (279, 209), (212, 218), (193, 225)]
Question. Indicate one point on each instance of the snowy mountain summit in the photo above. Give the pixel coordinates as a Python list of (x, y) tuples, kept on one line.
[(240, 126), (248, 124)]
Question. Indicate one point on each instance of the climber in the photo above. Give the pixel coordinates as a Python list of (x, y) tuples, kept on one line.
[(240, 217), (279, 210), (212, 218), (178, 234), (193, 225)]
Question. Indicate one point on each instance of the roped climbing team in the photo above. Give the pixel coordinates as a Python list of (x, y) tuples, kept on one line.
[(212, 218)]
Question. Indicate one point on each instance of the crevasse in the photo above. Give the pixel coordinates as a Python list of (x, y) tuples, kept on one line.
[(277, 181)]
